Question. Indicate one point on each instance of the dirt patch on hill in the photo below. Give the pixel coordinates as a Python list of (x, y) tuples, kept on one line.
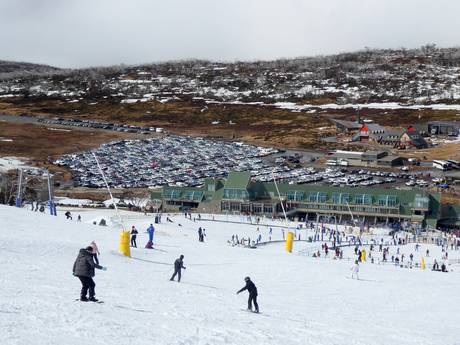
[(41, 145)]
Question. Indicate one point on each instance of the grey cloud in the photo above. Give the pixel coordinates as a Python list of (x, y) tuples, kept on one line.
[(102, 32)]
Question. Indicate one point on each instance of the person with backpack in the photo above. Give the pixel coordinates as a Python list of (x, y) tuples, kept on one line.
[(252, 289), (178, 266), (84, 269)]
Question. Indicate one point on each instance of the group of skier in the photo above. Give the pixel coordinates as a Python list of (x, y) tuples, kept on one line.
[(87, 261), (134, 233)]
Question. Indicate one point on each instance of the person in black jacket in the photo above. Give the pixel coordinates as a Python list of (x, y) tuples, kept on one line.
[(134, 233), (178, 265), (83, 268), (252, 289)]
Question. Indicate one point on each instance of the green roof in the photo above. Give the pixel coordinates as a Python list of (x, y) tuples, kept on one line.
[(434, 211), (238, 180), (156, 195)]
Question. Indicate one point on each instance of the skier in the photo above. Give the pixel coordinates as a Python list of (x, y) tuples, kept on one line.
[(200, 234), (252, 289), (134, 233), (178, 265), (151, 231), (68, 215), (355, 270), (83, 268), (79, 218)]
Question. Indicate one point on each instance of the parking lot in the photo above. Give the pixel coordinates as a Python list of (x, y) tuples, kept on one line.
[(82, 124), (187, 161)]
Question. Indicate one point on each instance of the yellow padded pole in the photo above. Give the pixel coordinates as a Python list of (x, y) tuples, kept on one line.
[(289, 242), (124, 243)]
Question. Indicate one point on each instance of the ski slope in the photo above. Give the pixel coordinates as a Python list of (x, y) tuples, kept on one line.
[(303, 300)]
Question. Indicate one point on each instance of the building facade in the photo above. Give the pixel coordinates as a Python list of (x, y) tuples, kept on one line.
[(238, 194)]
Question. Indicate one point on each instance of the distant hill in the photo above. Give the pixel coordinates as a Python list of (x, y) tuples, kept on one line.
[(13, 69)]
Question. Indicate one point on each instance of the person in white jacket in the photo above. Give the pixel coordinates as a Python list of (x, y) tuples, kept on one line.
[(355, 270)]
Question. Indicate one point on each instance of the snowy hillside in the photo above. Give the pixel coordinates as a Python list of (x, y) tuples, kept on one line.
[(303, 300)]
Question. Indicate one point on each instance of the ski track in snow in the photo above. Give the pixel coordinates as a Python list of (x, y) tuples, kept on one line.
[(302, 300)]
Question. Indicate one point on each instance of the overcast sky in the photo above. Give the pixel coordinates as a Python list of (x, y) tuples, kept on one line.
[(77, 33)]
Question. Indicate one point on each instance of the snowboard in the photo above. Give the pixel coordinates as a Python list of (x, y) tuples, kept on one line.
[(98, 302), (250, 311)]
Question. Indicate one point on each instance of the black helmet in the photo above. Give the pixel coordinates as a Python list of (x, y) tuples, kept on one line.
[(181, 256), (247, 279)]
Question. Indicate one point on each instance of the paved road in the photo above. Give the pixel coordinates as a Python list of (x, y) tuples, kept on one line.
[(18, 119)]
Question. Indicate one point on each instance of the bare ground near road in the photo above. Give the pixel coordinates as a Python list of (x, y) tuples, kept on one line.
[(38, 143)]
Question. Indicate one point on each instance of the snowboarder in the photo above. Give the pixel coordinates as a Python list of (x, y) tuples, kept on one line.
[(200, 234), (134, 233), (83, 268), (79, 218), (178, 265), (252, 289), (355, 270)]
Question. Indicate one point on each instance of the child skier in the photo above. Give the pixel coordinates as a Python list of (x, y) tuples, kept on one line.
[(252, 289), (355, 270), (95, 251)]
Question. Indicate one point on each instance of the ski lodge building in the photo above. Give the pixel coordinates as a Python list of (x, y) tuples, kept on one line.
[(238, 194)]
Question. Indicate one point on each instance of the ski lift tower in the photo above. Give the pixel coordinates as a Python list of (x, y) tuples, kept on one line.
[(51, 203), (19, 194)]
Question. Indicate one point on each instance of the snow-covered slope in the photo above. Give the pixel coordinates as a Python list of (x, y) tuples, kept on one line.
[(303, 300)]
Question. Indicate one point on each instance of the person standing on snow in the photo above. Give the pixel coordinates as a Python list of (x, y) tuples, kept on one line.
[(151, 231), (355, 270), (134, 233), (83, 268), (200, 234), (178, 266), (252, 289)]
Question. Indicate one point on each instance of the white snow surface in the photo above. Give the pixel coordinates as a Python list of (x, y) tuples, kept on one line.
[(303, 300)]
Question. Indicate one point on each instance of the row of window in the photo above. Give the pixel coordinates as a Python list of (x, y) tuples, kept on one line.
[(176, 194), (247, 208), (343, 198), (353, 208), (236, 194)]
